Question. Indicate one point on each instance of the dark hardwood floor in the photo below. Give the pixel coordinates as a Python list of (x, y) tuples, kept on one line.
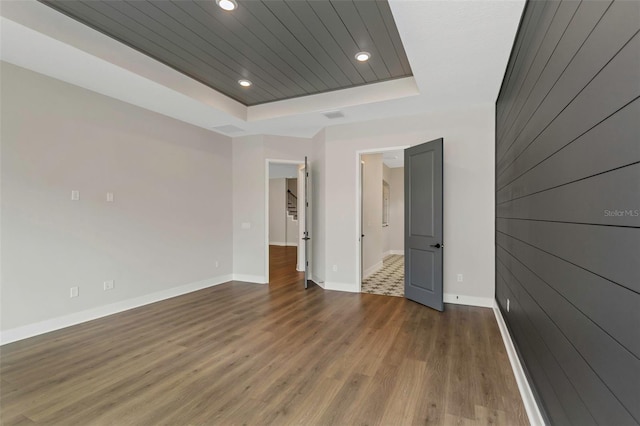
[(273, 354)]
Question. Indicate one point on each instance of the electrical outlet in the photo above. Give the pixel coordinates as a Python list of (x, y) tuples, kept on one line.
[(75, 195), (460, 278), (335, 268), (108, 285), (73, 292), (109, 197), (508, 303)]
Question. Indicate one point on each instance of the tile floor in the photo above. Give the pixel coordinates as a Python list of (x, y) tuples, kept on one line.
[(389, 280)]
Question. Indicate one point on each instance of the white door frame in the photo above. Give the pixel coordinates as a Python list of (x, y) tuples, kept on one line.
[(302, 217), (359, 201), (269, 161)]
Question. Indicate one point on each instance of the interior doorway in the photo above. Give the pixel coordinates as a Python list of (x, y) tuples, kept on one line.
[(381, 221), (284, 222)]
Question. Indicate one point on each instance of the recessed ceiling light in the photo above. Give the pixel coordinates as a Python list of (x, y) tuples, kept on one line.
[(227, 4), (363, 56), (244, 83)]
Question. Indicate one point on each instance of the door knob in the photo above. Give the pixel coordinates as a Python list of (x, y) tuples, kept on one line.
[(436, 245)]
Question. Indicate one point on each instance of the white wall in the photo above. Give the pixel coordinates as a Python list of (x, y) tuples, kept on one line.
[(250, 155), (318, 173), (372, 243), (283, 230), (283, 171), (386, 235), (167, 227), (300, 193), (386, 173), (249, 209), (386, 242), (396, 210), (468, 194)]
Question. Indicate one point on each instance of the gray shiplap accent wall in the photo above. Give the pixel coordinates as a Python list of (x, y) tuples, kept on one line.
[(568, 207)]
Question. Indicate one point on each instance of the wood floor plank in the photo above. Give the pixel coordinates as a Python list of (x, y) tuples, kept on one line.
[(405, 396), (431, 408), (250, 354), (340, 408), (19, 420)]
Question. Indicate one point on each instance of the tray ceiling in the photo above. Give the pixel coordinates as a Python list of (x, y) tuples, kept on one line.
[(286, 48)]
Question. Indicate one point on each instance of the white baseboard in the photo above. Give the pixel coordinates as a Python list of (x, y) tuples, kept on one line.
[(299, 268), (279, 243), (483, 302), (371, 270), (317, 280), (399, 252), (258, 279), (386, 253), (530, 405), (459, 299), (336, 286), (35, 329)]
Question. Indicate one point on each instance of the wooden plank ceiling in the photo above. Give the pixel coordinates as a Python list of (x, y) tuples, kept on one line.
[(286, 48)]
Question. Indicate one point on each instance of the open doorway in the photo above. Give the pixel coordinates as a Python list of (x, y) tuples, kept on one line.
[(381, 220), (285, 194)]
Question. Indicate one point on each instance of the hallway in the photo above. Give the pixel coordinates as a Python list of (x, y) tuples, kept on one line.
[(282, 267), (389, 280)]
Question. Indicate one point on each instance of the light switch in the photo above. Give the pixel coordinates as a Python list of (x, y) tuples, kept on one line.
[(75, 195), (109, 197)]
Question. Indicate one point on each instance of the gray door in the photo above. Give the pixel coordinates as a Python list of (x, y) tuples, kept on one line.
[(423, 243), (306, 238)]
